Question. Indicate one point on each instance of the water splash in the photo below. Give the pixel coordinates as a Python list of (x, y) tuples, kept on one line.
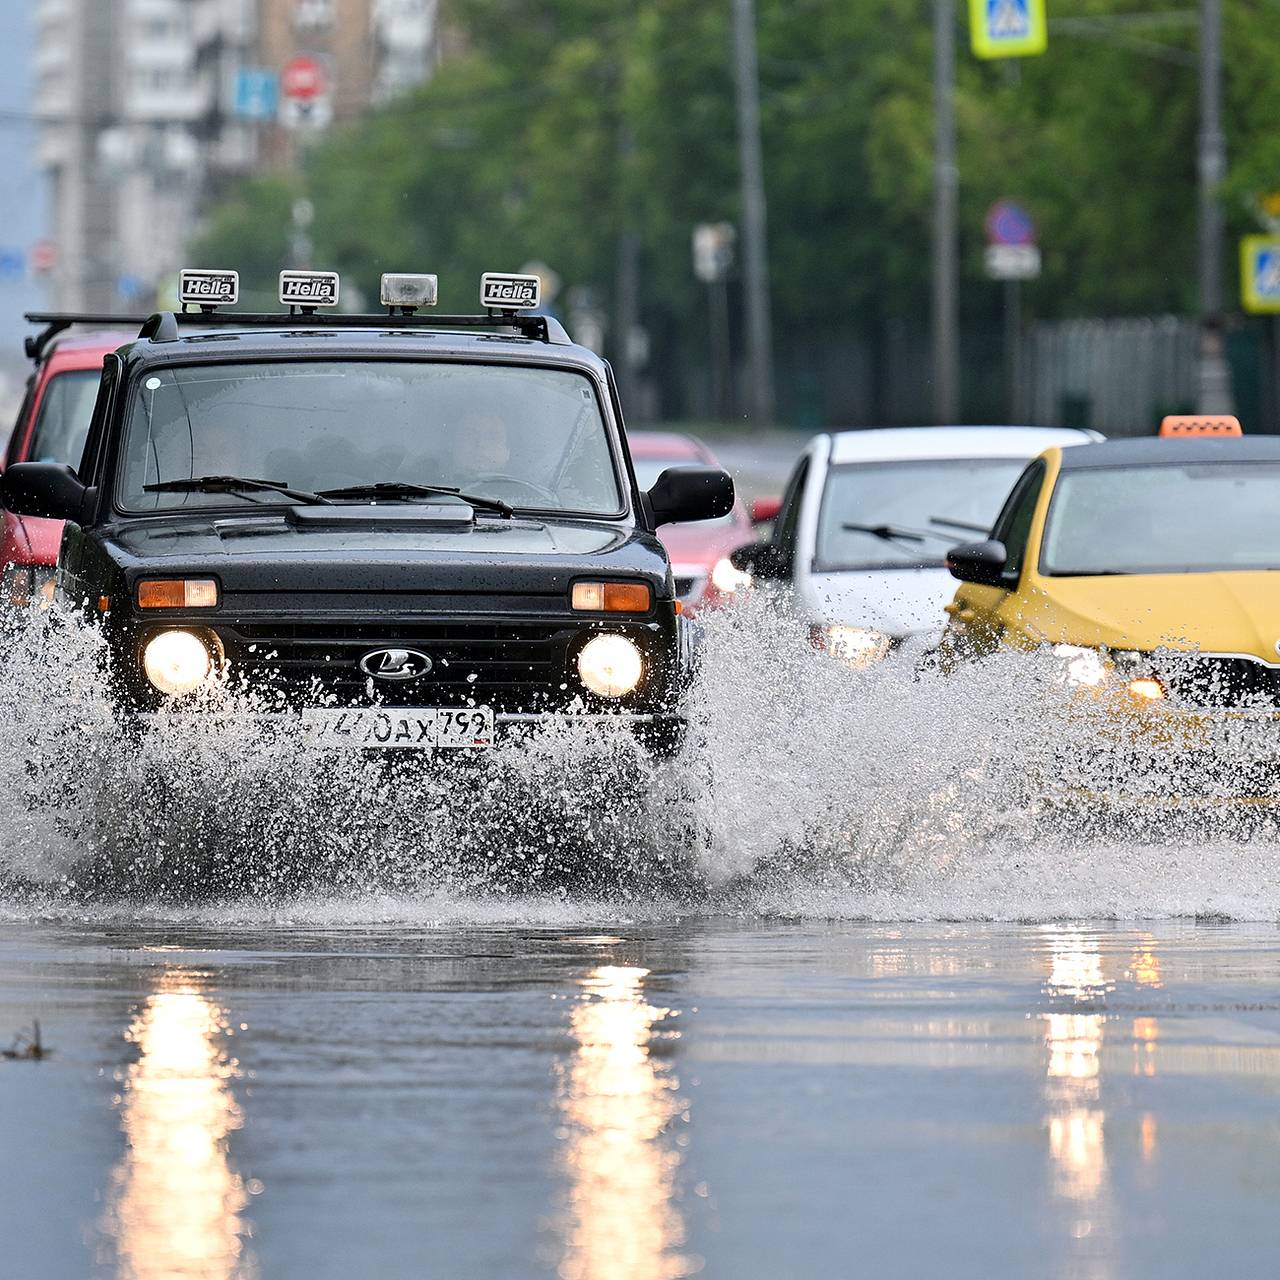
[(807, 788)]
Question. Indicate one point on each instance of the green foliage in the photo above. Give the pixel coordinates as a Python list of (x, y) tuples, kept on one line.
[(567, 122)]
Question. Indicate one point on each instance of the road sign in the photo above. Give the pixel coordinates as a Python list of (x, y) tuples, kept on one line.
[(1007, 28), (1009, 223), (303, 79), (1260, 274), (257, 93), (1012, 262)]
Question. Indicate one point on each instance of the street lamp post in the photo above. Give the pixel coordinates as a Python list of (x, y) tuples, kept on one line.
[(755, 253), (1214, 376), (945, 184)]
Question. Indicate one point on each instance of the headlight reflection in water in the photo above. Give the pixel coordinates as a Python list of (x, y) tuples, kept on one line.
[(177, 1202), (618, 1099)]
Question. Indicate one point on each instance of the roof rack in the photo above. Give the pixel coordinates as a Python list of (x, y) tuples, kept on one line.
[(57, 322), (163, 326)]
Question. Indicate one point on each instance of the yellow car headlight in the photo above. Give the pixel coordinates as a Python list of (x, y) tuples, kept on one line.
[(1082, 668), (610, 666), (177, 662)]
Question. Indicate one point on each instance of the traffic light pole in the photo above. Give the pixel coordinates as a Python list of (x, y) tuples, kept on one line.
[(945, 183)]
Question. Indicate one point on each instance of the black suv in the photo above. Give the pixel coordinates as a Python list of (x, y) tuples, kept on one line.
[(391, 530)]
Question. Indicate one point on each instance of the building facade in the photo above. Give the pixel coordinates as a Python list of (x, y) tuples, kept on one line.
[(148, 107)]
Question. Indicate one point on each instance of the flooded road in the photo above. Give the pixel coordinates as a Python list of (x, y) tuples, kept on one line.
[(546, 1088)]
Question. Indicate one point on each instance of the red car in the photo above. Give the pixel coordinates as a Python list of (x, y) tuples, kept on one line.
[(51, 427), (699, 551)]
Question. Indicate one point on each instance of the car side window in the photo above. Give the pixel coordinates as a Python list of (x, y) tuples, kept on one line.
[(1013, 524), (87, 463), (788, 521), (20, 427)]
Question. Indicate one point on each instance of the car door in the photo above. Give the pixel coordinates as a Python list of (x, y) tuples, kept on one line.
[(986, 616)]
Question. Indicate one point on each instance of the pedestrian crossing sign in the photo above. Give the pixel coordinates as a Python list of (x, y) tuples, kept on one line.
[(1260, 273), (1007, 28)]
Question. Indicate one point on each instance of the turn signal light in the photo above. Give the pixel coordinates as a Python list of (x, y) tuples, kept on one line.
[(1148, 688), (177, 593), (612, 597)]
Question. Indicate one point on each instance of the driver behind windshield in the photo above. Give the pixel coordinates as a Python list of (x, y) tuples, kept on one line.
[(529, 436)]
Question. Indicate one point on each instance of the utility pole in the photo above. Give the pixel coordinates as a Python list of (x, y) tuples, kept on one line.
[(945, 182), (1214, 376), (754, 216)]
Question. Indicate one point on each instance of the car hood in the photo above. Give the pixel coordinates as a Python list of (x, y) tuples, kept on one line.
[(1237, 612), (253, 555), (899, 602)]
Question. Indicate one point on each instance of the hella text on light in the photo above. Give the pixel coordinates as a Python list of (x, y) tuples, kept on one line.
[(309, 289), (502, 292), (207, 287)]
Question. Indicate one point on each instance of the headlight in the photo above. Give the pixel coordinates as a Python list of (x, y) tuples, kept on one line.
[(1081, 667), (610, 666), (177, 661), (726, 579), (858, 647)]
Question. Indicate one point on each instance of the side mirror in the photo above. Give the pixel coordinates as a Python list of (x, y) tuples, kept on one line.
[(764, 510), (690, 493), (763, 560), (980, 562), (51, 490)]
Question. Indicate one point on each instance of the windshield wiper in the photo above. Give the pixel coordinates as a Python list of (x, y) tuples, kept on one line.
[(893, 532), (396, 489), (241, 486), (967, 525)]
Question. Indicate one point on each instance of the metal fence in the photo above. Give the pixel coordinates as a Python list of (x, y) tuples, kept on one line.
[(1117, 376)]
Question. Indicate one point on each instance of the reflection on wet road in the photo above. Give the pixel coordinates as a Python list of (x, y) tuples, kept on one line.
[(620, 1098), (176, 1202), (679, 1097)]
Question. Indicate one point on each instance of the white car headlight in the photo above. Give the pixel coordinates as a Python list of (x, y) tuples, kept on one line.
[(1081, 667), (726, 579), (858, 647), (177, 662), (610, 666)]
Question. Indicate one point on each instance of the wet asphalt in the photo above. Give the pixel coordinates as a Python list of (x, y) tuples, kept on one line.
[(580, 1095)]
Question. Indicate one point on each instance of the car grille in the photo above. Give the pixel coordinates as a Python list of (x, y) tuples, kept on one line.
[(1222, 682), (512, 667)]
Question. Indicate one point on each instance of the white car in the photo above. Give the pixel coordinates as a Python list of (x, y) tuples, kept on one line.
[(868, 517)]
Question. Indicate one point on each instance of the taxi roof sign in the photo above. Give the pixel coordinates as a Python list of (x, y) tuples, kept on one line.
[(500, 291), (208, 287), (309, 289), (1200, 424)]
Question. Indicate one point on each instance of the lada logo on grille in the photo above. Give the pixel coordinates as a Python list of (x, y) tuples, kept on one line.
[(395, 664)]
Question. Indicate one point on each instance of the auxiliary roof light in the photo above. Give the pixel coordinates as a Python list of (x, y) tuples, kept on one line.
[(502, 292), (206, 288), (406, 292), (309, 289)]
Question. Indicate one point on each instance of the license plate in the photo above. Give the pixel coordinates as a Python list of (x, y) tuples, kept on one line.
[(400, 728)]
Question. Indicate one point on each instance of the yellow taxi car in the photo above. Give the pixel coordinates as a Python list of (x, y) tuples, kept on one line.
[(1149, 567)]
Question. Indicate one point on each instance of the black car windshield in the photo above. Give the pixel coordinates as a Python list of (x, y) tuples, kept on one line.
[(532, 437), (63, 421), (1163, 519), (909, 513)]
